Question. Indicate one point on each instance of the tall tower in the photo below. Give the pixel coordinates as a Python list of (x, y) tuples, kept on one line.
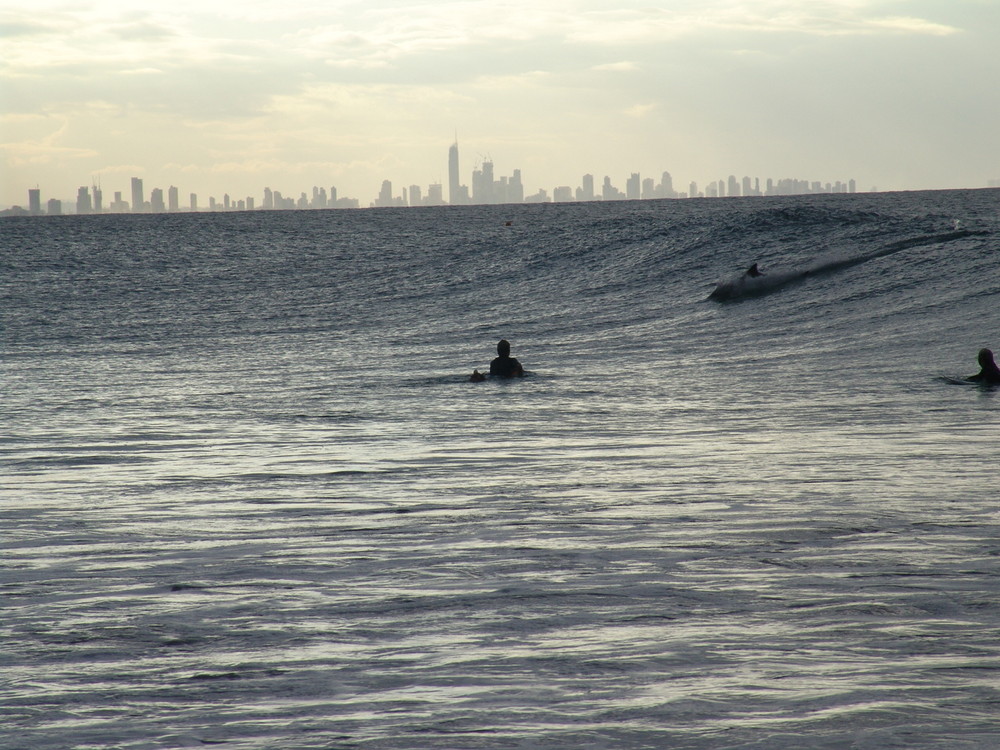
[(454, 188), (156, 204), (34, 201), (83, 204), (633, 187), (138, 201), (667, 186)]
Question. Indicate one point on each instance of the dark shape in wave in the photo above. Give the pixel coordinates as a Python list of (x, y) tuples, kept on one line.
[(746, 285)]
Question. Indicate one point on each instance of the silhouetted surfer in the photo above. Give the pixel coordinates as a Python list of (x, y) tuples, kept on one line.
[(505, 366), (989, 373)]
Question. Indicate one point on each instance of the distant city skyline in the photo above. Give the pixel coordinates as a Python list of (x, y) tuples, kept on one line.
[(487, 188), (231, 96)]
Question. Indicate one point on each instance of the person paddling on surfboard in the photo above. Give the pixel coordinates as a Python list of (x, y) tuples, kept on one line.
[(989, 373), (505, 366)]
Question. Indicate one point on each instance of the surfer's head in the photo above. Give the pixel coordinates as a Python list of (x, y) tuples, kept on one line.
[(986, 360), (503, 348)]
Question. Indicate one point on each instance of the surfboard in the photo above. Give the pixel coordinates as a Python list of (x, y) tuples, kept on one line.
[(959, 381)]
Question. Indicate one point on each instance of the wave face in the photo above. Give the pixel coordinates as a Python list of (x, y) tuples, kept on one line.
[(252, 498)]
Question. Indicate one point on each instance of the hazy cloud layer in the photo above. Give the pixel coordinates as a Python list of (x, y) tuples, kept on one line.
[(220, 96)]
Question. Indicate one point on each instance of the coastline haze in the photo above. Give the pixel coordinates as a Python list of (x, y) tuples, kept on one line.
[(233, 98)]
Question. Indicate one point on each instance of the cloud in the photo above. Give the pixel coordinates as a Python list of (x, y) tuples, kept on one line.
[(144, 31), (36, 150), (23, 27), (259, 85), (648, 25), (624, 66), (640, 110)]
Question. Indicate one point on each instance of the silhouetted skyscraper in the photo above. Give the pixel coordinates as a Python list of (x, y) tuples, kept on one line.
[(454, 184), (156, 204), (515, 188), (35, 201), (483, 189), (385, 194), (118, 206), (173, 199), (83, 201), (138, 199), (633, 187), (667, 186)]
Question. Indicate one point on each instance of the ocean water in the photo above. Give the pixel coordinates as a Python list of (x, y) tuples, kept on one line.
[(251, 499)]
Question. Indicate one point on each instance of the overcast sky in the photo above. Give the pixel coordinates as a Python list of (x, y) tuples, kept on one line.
[(215, 96)]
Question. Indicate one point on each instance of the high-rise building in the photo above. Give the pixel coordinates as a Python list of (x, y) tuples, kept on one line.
[(194, 201), (385, 194), (483, 189), (454, 184), (515, 188), (633, 187), (53, 207), (83, 205), (118, 206), (156, 204), (586, 192), (98, 196), (173, 199), (34, 201), (138, 198), (667, 186)]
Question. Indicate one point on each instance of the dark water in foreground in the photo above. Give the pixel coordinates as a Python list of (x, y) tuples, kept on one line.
[(250, 498)]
